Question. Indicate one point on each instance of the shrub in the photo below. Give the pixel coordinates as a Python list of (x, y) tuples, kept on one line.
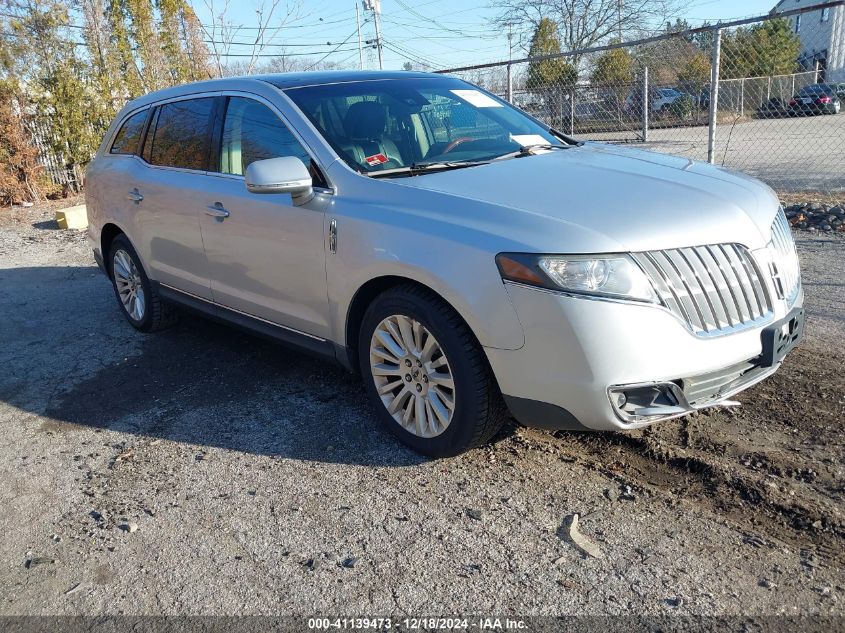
[(682, 108)]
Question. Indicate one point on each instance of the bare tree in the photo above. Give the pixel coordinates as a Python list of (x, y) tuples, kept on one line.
[(270, 22), (221, 32), (283, 63), (585, 23)]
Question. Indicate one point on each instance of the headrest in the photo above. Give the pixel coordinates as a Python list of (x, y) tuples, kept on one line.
[(365, 120)]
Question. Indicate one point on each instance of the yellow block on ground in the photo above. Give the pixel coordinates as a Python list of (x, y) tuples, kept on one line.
[(72, 218)]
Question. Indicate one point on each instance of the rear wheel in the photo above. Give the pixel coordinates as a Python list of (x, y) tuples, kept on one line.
[(139, 301), (426, 374)]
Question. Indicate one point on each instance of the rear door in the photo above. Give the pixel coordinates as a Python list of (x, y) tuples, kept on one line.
[(266, 256), (167, 188)]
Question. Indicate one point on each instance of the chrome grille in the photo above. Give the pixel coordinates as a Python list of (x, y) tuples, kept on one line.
[(715, 289), (786, 273)]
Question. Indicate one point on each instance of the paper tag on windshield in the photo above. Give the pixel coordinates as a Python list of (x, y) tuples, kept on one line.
[(375, 159), (528, 139), (476, 98)]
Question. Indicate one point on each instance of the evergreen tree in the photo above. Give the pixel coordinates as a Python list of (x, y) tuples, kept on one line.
[(118, 17), (769, 48), (548, 74), (107, 80), (196, 51), (614, 67), (552, 79), (148, 47), (694, 75)]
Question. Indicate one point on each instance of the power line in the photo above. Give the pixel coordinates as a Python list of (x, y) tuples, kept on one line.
[(277, 55), (272, 55), (348, 37), (410, 55)]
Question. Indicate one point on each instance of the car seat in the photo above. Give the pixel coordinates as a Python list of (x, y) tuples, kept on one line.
[(365, 123)]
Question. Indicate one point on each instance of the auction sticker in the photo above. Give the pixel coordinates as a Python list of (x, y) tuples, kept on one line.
[(476, 98), (376, 159)]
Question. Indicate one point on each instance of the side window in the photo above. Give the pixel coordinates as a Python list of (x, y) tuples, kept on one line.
[(251, 132), (127, 138), (180, 136)]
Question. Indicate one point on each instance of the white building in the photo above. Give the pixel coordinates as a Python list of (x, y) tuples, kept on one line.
[(822, 34)]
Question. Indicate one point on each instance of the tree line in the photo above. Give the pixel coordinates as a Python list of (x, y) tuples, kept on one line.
[(69, 75), (68, 66), (682, 59)]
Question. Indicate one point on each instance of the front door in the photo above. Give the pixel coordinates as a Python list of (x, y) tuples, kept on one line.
[(266, 256)]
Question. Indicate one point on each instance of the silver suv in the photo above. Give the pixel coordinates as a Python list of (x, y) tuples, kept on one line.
[(466, 259)]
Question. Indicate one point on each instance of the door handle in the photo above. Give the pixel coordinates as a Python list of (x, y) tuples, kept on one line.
[(217, 211), (135, 196)]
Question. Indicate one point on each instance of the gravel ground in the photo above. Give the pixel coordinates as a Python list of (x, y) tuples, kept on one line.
[(203, 471)]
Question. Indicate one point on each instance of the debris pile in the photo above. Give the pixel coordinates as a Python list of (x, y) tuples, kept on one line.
[(815, 216)]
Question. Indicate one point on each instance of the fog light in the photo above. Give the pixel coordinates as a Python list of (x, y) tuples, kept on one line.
[(636, 403)]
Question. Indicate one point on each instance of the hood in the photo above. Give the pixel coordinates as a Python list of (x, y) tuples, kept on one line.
[(615, 199)]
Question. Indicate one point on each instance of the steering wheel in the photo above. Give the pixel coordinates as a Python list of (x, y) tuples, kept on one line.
[(456, 142)]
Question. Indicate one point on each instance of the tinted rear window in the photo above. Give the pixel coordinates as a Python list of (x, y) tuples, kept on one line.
[(127, 138), (817, 89), (180, 138)]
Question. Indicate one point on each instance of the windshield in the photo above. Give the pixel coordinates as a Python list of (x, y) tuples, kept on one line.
[(399, 123)]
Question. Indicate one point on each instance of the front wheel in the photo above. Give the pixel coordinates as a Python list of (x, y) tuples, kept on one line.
[(426, 374)]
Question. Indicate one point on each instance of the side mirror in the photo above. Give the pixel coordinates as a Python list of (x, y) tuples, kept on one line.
[(286, 174)]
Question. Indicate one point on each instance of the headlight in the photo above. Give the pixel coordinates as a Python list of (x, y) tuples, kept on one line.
[(612, 276)]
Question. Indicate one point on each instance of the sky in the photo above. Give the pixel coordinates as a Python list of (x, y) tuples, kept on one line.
[(441, 33)]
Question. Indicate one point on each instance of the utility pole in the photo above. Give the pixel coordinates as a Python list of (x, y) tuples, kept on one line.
[(360, 47), (619, 18), (510, 57), (375, 7)]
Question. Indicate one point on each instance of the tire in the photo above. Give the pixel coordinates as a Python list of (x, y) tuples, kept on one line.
[(477, 411), (149, 312)]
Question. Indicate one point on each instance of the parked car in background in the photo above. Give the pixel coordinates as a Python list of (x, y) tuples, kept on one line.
[(839, 89), (815, 99), (465, 259), (660, 100), (773, 108)]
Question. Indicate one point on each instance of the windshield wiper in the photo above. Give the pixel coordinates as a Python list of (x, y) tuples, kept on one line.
[(444, 165), (528, 150), (418, 168)]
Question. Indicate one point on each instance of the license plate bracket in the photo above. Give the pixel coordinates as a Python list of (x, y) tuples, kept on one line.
[(781, 338)]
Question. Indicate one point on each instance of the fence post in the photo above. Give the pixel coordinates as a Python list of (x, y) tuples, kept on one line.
[(714, 94), (742, 97), (768, 91), (510, 85), (644, 103), (572, 114)]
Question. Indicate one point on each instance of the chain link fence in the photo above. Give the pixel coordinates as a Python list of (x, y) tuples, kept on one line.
[(763, 95)]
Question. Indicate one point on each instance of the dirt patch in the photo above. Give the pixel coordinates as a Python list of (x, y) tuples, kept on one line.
[(255, 474), (40, 213)]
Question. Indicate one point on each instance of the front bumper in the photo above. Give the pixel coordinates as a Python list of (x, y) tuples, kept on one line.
[(579, 350)]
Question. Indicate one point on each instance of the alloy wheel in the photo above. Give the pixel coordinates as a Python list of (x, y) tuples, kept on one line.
[(130, 289), (412, 376)]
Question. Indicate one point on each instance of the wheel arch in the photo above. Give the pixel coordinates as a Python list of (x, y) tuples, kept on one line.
[(366, 294), (109, 231)]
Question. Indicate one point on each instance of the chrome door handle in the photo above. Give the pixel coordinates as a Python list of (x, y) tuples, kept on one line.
[(135, 196), (217, 211)]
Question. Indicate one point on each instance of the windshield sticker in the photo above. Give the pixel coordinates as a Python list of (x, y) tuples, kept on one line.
[(476, 98), (375, 159), (526, 140)]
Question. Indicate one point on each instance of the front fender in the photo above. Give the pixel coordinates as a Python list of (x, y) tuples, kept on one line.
[(463, 275)]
